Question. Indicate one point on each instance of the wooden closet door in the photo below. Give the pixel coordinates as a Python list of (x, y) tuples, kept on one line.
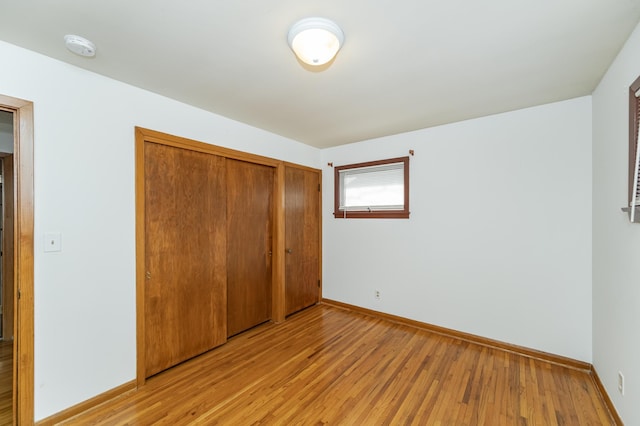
[(302, 238), (185, 254), (249, 239)]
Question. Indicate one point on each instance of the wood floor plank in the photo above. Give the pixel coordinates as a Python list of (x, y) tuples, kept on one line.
[(326, 365), (6, 382)]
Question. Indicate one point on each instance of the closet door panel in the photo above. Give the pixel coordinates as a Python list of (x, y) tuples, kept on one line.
[(302, 238), (249, 242), (185, 250)]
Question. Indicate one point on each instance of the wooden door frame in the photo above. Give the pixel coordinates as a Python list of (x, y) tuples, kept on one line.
[(23, 147), (143, 136)]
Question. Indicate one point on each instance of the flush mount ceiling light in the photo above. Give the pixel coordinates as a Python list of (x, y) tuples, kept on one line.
[(80, 45), (315, 41)]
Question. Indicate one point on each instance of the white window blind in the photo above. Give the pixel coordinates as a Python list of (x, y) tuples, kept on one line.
[(372, 188)]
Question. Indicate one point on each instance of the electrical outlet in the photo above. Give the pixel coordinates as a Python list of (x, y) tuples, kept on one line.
[(377, 294), (620, 383)]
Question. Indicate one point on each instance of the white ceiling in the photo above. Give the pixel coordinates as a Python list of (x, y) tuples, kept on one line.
[(405, 64)]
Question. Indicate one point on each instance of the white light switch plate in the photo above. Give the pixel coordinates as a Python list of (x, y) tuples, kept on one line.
[(52, 241)]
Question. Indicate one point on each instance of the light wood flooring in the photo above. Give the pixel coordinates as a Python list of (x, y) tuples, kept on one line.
[(326, 365)]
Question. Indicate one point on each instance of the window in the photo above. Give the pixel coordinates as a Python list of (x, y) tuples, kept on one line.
[(634, 164), (377, 189)]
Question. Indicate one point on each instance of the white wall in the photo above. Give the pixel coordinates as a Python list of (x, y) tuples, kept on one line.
[(616, 242), (499, 239), (84, 188)]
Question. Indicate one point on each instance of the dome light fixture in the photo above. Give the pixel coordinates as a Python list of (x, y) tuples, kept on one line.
[(315, 41), (80, 45)]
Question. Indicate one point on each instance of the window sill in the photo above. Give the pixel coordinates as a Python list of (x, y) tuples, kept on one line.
[(637, 215), (371, 215)]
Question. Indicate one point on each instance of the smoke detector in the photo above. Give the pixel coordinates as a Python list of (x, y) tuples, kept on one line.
[(80, 45)]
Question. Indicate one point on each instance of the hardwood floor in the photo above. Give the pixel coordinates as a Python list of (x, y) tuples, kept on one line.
[(6, 382), (325, 365)]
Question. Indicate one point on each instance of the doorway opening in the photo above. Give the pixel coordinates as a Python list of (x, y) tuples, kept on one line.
[(7, 283), (16, 291)]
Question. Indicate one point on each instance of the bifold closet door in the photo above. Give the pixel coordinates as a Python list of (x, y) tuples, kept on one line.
[(185, 254), (302, 238), (249, 240)]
